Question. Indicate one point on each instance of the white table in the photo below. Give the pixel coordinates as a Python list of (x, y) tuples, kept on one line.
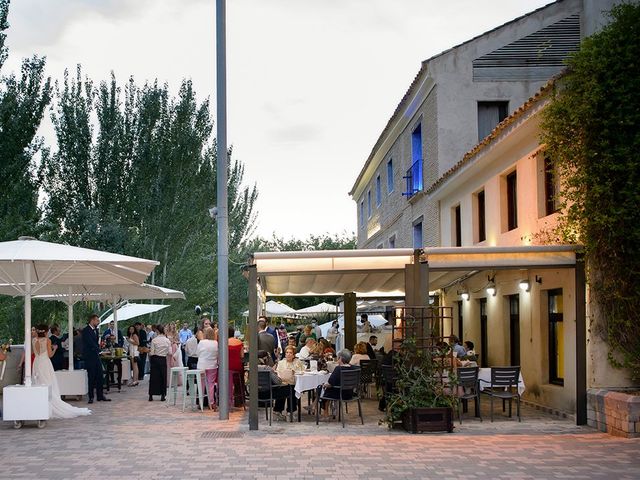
[(72, 382), (309, 381), (306, 382), (485, 375)]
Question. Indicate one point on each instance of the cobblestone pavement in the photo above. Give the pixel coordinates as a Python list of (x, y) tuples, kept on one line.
[(132, 438)]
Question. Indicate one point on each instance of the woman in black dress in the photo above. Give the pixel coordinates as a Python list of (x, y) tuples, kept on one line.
[(160, 348)]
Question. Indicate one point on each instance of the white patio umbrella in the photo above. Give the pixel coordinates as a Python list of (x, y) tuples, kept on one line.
[(275, 309), (133, 310), (320, 308), (72, 294), (28, 265), (375, 320)]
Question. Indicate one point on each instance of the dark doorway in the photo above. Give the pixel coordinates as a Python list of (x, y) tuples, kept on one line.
[(514, 329), (484, 344)]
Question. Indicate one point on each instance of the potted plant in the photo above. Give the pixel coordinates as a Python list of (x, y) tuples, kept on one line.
[(425, 385)]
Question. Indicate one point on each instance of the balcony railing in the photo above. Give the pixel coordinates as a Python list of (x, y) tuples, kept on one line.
[(413, 178)]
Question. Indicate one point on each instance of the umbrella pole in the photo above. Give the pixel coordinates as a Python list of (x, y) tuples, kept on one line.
[(115, 318), (27, 325), (70, 330)]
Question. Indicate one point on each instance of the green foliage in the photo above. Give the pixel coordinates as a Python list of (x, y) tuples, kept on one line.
[(419, 381), (592, 131)]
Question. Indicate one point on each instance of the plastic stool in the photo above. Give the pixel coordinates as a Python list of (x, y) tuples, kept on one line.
[(176, 372), (196, 384)]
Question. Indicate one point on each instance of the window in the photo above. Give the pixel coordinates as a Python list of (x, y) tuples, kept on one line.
[(362, 213), (369, 204), (390, 176), (392, 241), (556, 338), (551, 187), (417, 234), (457, 227), (414, 174), (514, 329), (490, 114), (512, 201), (484, 339), (378, 191), (482, 232)]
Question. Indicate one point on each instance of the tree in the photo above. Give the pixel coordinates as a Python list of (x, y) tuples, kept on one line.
[(592, 131), (23, 100)]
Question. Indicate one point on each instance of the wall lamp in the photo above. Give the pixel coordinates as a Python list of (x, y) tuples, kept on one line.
[(491, 286), (525, 285)]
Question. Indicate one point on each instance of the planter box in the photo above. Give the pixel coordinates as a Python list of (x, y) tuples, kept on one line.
[(436, 419), (614, 412)]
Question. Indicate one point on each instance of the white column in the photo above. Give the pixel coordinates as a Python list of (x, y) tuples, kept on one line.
[(27, 324), (70, 329)]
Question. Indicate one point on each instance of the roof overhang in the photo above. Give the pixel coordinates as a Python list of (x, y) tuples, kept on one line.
[(381, 272)]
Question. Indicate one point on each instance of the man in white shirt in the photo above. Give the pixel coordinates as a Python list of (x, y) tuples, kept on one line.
[(306, 350), (190, 350), (316, 329)]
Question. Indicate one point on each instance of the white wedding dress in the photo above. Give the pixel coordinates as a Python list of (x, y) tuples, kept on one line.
[(44, 375)]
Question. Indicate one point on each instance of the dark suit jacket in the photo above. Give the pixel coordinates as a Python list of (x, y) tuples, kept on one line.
[(58, 357), (371, 352), (90, 345), (142, 337)]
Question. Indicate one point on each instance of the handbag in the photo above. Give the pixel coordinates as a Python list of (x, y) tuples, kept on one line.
[(143, 349)]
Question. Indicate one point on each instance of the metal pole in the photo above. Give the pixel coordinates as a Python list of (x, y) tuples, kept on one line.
[(252, 332), (581, 341), (223, 228), (27, 324), (70, 321), (115, 318)]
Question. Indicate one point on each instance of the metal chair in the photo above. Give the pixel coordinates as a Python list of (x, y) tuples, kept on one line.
[(388, 374), (504, 385), (264, 386), (367, 375), (349, 382), (468, 381)]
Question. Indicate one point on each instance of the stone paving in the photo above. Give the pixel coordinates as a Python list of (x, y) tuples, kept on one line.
[(132, 438)]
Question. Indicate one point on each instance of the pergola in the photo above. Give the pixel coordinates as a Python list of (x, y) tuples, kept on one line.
[(404, 273)]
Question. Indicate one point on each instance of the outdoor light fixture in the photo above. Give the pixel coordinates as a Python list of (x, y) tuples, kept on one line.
[(538, 279), (464, 293), (525, 285), (491, 287)]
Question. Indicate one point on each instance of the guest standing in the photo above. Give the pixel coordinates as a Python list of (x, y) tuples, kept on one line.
[(208, 362), (359, 353), (132, 338), (57, 361), (143, 349), (160, 348), (92, 363)]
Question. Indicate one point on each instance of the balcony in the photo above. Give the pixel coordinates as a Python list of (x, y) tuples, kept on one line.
[(413, 178)]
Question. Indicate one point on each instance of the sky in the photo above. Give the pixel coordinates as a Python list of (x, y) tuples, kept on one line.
[(310, 83)]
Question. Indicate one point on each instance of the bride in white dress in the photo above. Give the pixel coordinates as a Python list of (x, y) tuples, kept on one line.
[(44, 375)]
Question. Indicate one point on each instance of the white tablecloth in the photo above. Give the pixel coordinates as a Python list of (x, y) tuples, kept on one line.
[(485, 374), (309, 381)]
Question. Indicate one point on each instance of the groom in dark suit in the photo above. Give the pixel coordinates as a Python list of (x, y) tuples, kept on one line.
[(91, 353)]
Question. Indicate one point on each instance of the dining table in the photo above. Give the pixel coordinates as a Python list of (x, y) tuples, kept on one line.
[(112, 370), (307, 382)]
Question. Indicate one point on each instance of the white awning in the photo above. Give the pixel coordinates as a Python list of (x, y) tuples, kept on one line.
[(133, 310), (381, 272)]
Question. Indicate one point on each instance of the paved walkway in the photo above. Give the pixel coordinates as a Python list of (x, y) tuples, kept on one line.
[(132, 438)]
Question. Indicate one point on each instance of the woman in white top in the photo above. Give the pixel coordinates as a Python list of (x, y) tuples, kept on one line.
[(207, 353), (360, 353), (160, 348), (134, 354)]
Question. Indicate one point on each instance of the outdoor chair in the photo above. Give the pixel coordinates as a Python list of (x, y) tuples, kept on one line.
[(388, 374), (264, 387), (504, 385), (349, 381), (367, 376), (468, 382)]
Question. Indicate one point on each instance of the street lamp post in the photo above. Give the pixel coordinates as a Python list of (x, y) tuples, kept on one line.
[(223, 227)]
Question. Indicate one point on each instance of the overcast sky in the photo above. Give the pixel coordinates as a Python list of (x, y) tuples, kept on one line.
[(311, 83)]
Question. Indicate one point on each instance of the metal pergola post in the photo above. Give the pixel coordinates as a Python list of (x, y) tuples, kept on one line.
[(252, 331), (581, 340)]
